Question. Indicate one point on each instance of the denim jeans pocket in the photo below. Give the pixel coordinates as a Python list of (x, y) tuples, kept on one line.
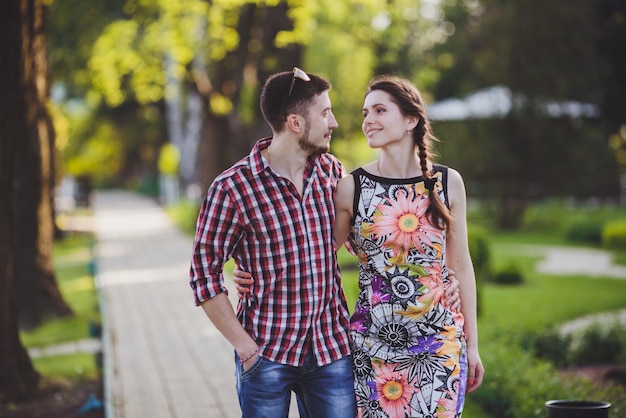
[(249, 372)]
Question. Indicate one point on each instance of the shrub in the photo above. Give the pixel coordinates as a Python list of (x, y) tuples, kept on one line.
[(587, 226), (550, 345), (585, 230), (510, 274), (480, 252), (614, 234), (544, 216), (481, 259), (517, 385), (599, 345)]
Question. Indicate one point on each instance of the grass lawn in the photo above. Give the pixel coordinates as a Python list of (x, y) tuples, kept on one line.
[(74, 272)]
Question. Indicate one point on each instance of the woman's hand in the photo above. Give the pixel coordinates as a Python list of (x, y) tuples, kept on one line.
[(243, 281), (452, 294), (476, 371)]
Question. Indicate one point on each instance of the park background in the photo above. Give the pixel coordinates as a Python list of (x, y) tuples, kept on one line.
[(528, 101)]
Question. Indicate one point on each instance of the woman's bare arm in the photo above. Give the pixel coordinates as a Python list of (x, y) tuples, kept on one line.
[(460, 261)]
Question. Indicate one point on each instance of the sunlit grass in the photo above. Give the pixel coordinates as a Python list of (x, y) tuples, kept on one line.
[(543, 301), (80, 365), (74, 273), (619, 257)]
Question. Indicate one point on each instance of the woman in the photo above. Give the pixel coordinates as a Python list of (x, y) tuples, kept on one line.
[(414, 356)]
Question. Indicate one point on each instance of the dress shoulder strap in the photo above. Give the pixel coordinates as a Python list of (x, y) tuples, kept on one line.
[(443, 169), (357, 173)]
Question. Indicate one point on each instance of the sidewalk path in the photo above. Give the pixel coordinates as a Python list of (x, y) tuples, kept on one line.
[(583, 261), (561, 260), (163, 357)]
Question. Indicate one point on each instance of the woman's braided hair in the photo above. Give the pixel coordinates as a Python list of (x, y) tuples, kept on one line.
[(409, 100)]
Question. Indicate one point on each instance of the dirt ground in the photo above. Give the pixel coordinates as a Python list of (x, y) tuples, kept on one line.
[(59, 399)]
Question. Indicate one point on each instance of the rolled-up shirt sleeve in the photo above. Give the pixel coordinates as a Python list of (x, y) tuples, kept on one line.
[(217, 233)]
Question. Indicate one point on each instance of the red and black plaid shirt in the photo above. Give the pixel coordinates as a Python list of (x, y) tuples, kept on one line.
[(285, 240)]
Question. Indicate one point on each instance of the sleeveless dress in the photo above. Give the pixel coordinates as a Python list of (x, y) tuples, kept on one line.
[(408, 346)]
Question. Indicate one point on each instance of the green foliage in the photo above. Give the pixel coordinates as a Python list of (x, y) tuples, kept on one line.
[(600, 344), (614, 234), (512, 330), (128, 57), (480, 251), (348, 265), (478, 240), (548, 215), (100, 157), (510, 274), (517, 385), (169, 159), (73, 27), (579, 225), (585, 230), (491, 45), (113, 59), (597, 343), (516, 172), (382, 38), (184, 214), (550, 345)]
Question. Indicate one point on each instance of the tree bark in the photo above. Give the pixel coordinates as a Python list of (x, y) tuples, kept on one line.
[(36, 290), (18, 378)]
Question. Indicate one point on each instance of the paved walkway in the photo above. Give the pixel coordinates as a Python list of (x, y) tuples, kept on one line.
[(582, 261), (571, 261), (163, 357)]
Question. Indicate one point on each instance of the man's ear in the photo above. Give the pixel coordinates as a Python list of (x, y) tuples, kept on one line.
[(294, 123)]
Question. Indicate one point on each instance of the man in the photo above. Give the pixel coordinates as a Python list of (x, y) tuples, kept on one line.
[(273, 213)]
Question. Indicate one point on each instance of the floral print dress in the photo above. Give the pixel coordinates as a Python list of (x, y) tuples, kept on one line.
[(408, 346)]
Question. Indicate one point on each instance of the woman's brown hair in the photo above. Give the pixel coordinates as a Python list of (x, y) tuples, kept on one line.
[(409, 100)]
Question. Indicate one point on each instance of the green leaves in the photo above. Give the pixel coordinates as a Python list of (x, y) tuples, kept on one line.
[(114, 58)]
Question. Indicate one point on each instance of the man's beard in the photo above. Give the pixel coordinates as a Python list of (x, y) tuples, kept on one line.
[(307, 145)]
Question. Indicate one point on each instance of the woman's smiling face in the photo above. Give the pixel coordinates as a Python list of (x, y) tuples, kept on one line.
[(383, 123)]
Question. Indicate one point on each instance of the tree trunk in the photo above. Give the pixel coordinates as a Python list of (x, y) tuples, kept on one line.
[(36, 290), (18, 378)]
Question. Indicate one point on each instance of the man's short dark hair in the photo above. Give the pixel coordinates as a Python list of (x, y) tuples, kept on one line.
[(277, 103)]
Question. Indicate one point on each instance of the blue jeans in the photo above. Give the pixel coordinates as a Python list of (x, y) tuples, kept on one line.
[(264, 389)]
